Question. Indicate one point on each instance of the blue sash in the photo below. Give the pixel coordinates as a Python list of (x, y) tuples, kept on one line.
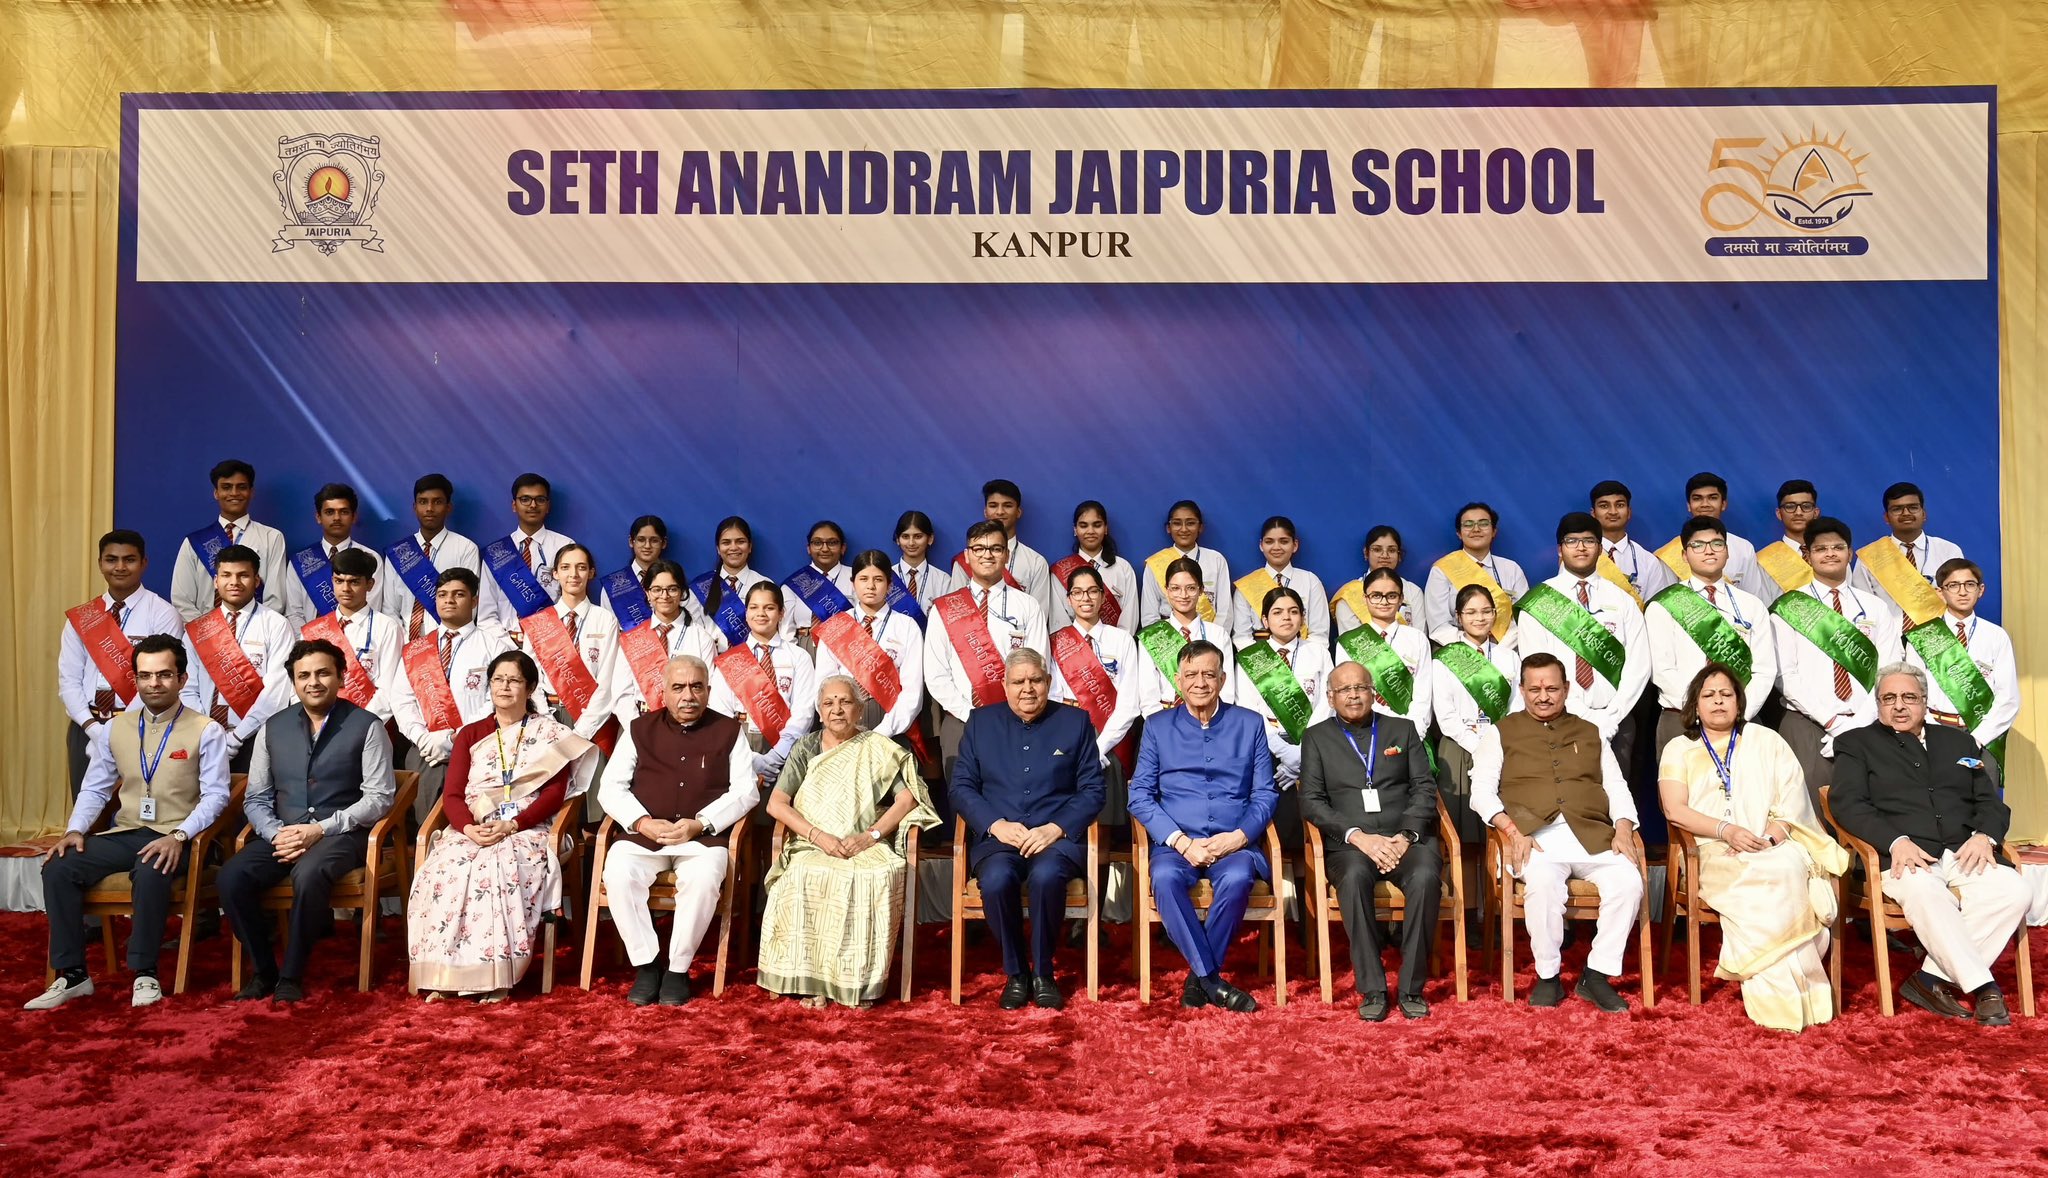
[(517, 582), (415, 572), (902, 602), (317, 576), (207, 543), (625, 597), (731, 617), (817, 592)]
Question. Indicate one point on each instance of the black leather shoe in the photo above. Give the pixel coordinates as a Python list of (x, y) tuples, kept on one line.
[(1933, 994), (646, 985), (1229, 997), (288, 990), (1017, 992), (675, 989), (1991, 1011), (1548, 992), (256, 988), (1413, 1008), (1595, 988), (1373, 1008), (1045, 994), (1193, 995)]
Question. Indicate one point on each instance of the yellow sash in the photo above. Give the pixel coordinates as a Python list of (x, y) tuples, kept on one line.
[(1255, 586), (1786, 567), (1612, 573), (1673, 556), (1353, 595), (1156, 564), (1908, 589), (1462, 570)]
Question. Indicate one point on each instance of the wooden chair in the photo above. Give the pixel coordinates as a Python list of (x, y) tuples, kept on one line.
[(114, 896), (1509, 896), (909, 936), (1389, 903), (1886, 915), (566, 835), (1084, 902), (1266, 907), (661, 897), (384, 872), (1682, 901)]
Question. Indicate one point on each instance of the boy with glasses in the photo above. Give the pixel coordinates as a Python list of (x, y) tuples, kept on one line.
[(1831, 638), (1973, 680)]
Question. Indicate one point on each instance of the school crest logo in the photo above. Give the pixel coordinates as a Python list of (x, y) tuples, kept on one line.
[(1803, 188), (328, 186)]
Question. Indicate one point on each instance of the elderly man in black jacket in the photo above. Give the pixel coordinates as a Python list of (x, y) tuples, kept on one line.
[(1919, 793)]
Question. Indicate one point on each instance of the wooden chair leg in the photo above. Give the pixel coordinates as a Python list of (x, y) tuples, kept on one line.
[(1266, 938), (1648, 963), (107, 943), (1279, 952), (1881, 949), (547, 951), (2024, 964), (235, 956), (1141, 926), (1692, 958), (367, 920), (1507, 943), (188, 917), (590, 933), (909, 953), (1094, 944), (1324, 964), (1458, 947)]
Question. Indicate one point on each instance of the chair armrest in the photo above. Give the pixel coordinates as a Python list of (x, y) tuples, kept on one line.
[(1315, 849), (565, 833), (230, 817), (1141, 849), (1447, 829), (393, 823), (775, 842), (1276, 858), (1095, 853), (1872, 871), (436, 819), (1496, 857)]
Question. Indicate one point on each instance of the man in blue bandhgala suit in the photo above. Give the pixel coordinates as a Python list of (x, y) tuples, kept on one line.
[(1027, 782), (1204, 792)]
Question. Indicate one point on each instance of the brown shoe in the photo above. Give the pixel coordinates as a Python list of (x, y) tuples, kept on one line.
[(1991, 1011), (1932, 994)]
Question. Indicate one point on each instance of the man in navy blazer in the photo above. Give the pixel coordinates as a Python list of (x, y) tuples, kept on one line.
[(1027, 784), (1204, 792)]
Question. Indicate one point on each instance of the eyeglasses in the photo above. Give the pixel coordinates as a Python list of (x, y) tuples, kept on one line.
[(827, 542), (1798, 508), (1905, 509), (1351, 690), (504, 681), (1908, 697), (987, 549), (1828, 549), (1964, 586), (1706, 545), (1474, 525), (1578, 542), (531, 500), (694, 687), (666, 591), (1383, 598), (1085, 591)]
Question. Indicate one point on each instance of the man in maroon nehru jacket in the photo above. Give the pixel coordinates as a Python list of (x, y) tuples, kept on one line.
[(679, 781)]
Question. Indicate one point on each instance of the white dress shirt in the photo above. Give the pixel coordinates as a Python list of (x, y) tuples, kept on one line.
[(1409, 643), (1675, 658), (1310, 662), (796, 681), (103, 777), (796, 615), (1120, 657), (748, 577), (1030, 569), (1649, 575), (540, 560), (1929, 554), (1414, 609), (468, 669), (1439, 594), (933, 582), (1014, 621), (1605, 704), (1557, 838), (720, 814), (298, 600), (379, 642), (266, 637), (1158, 693), (903, 642), (192, 586), (79, 678), (1743, 571), (597, 641), (1807, 676), (1120, 578), (1991, 649), (1458, 715), (1315, 607), (447, 550), (1215, 583)]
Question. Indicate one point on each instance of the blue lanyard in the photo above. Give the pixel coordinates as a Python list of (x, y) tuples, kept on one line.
[(369, 638), (1724, 768), (149, 764), (1371, 758), (1857, 601), (508, 772), (1734, 606)]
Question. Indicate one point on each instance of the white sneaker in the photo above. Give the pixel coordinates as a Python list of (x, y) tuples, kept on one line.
[(147, 992), (58, 994)]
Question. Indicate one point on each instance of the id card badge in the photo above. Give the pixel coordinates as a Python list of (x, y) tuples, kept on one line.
[(147, 810), (506, 810), (1372, 800)]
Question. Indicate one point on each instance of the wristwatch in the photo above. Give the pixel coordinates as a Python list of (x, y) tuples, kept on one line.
[(1413, 837), (876, 834), (181, 836)]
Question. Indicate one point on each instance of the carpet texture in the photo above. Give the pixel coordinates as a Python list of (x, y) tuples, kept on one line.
[(582, 1084)]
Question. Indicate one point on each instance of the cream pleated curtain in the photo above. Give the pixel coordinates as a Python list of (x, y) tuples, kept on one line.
[(65, 63)]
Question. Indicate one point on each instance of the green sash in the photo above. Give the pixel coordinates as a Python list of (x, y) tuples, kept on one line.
[(1577, 628), (1702, 623), (1278, 687), (1949, 664), (1163, 640), (1488, 687), (1836, 636), (1390, 676)]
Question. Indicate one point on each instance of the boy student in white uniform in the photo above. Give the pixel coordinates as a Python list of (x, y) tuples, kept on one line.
[(1613, 509), (1706, 494), (533, 498), (264, 637), (464, 647), (334, 507), (1905, 512), (1961, 584), (1013, 620), (1003, 503), (374, 637), (1822, 697), (1675, 657), (1279, 544), (433, 499), (234, 482), (87, 697), (1784, 561)]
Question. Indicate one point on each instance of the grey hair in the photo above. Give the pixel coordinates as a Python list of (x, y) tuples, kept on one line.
[(1918, 676), (687, 660), (852, 688), (1023, 654)]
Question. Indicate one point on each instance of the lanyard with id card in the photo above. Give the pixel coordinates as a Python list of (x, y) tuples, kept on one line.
[(146, 810), (507, 809), (1369, 757)]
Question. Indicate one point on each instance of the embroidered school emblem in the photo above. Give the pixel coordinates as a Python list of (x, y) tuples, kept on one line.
[(328, 186)]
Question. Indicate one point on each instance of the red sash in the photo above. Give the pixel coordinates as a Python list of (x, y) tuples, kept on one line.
[(234, 676), (559, 658), (423, 670), (862, 656), (1009, 578), (1112, 609), (356, 685), (110, 649), (1093, 689), (968, 631), (646, 654), (758, 693)]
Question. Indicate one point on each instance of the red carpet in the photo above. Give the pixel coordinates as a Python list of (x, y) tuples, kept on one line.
[(582, 1084)]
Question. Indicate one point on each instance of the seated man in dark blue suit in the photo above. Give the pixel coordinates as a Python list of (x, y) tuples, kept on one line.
[(1028, 783), (1204, 792)]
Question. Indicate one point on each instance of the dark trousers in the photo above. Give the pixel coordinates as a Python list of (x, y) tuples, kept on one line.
[(78, 752), (1006, 878), (255, 869), (950, 733), (67, 879), (1417, 875)]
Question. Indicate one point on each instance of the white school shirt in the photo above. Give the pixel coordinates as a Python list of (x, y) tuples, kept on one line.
[(1605, 704), (1557, 838), (1929, 554), (1649, 575), (1158, 693), (1409, 643), (796, 615), (468, 681), (903, 642), (597, 641), (691, 633), (1120, 578), (1439, 596), (1675, 658), (192, 586), (1807, 677), (796, 681), (540, 561), (447, 550), (933, 582), (1991, 649), (1014, 622), (79, 678), (748, 577), (1457, 714), (298, 600), (1414, 609), (379, 643), (1215, 583), (1310, 662), (266, 637), (1120, 657), (1030, 569), (1315, 607)]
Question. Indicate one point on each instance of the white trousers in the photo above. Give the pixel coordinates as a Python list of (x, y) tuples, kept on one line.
[(1557, 859), (1962, 937), (629, 871)]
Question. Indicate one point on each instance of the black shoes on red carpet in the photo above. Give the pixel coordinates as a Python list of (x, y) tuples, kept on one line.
[(1596, 988), (1373, 1008), (1017, 992), (1930, 993), (646, 984), (1025, 990), (675, 989), (256, 989), (1991, 1011), (1413, 1008), (1045, 994), (1548, 992)]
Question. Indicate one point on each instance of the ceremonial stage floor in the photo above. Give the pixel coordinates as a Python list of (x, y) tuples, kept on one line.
[(582, 1084)]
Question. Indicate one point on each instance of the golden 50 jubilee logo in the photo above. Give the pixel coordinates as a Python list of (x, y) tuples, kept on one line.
[(1792, 198)]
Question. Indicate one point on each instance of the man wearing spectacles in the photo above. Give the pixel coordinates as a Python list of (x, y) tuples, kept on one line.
[(533, 500), (1920, 794), (1981, 674), (1784, 561), (1920, 555), (1831, 638), (969, 634), (1703, 618), (1595, 629), (1706, 494)]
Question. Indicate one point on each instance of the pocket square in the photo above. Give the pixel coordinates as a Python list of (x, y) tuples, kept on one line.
[(1970, 762), (1394, 751), (1059, 752), (179, 755)]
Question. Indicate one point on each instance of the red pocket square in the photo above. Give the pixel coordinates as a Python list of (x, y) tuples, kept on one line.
[(180, 755)]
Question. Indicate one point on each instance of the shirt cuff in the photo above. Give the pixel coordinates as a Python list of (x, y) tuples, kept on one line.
[(1349, 833), (1894, 848)]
